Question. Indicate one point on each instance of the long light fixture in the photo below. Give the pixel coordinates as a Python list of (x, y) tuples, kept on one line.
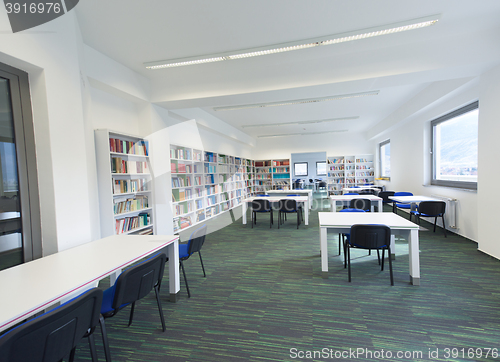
[(297, 101), (300, 134), (299, 122), (297, 45)]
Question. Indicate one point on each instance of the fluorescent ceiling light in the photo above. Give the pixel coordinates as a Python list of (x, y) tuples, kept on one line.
[(297, 101), (297, 45), (300, 134), (300, 122)]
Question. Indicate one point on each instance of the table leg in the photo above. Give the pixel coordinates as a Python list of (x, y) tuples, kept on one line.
[(414, 257), (306, 212), (114, 276), (244, 207), (324, 252), (393, 246), (173, 270), (333, 205), (379, 206)]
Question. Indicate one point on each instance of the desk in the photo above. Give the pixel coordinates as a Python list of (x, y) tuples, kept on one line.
[(361, 188), (308, 193), (413, 200), (335, 198), (34, 286), (303, 199), (341, 222)]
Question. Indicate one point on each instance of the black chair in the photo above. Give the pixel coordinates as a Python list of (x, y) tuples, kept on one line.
[(131, 285), (362, 204), (261, 206), (384, 195), (289, 206), (322, 185), (398, 205), (196, 241), (430, 209), (55, 334), (369, 237)]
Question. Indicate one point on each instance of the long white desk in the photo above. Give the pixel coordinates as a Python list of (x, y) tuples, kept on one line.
[(360, 188), (303, 199), (413, 200), (347, 198), (39, 284), (308, 193), (341, 222)]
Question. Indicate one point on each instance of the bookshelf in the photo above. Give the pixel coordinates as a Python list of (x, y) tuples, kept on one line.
[(272, 175), (206, 184), (344, 171), (124, 183)]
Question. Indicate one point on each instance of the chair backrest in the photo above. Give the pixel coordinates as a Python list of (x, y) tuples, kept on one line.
[(352, 210), (403, 193), (51, 336), (311, 180), (137, 281), (384, 195), (261, 205), (370, 236), (432, 208), (288, 205), (322, 184), (363, 204), (352, 193), (197, 239)]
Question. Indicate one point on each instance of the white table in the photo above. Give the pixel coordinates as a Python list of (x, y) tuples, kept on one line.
[(303, 199), (413, 200), (341, 222), (39, 284), (308, 193), (347, 198), (360, 188)]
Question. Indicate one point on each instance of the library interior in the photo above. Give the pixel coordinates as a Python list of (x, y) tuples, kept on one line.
[(305, 180)]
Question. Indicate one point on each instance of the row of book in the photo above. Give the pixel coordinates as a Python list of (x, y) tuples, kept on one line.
[(212, 190), (210, 157), (335, 174), (263, 170), (181, 168), (181, 195), (363, 167), (182, 223), (128, 186), (281, 175), (337, 168), (180, 153), (181, 181), (369, 173), (226, 159), (120, 165), (362, 160), (281, 170), (262, 163), (132, 148), (212, 200), (263, 176), (210, 168), (121, 206), (130, 223), (281, 163), (336, 160), (182, 208)]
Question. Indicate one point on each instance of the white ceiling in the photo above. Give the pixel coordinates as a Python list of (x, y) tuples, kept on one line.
[(465, 42)]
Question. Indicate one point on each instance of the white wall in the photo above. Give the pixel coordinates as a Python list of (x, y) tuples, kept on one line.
[(410, 148), (311, 158), (488, 170)]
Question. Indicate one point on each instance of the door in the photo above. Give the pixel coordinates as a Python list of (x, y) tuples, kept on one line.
[(20, 233)]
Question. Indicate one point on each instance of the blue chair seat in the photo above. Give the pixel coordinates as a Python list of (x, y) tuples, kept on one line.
[(107, 301), (183, 250)]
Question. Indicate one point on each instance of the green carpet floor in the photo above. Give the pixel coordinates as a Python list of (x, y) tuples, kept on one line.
[(264, 300)]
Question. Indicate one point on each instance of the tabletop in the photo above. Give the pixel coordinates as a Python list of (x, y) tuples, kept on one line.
[(412, 199), (33, 286), (347, 219)]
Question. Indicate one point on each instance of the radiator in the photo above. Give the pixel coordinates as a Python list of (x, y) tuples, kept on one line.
[(451, 210)]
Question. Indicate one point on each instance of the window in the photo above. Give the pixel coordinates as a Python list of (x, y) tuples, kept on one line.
[(385, 159), (454, 148), (321, 168), (300, 169)]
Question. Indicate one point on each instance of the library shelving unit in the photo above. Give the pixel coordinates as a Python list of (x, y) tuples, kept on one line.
[(248, 172), (206, 184), (263, 176), (281, 174), (345, 171), (124, 183)]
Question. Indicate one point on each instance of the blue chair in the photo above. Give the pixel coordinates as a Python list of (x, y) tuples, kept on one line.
[(363, 204), (384, 195), (431, 209), (341, 236), (55, 334), (132, 284), (196, 241), (287, 206), (352, 193), (396, 205), (369, 237), (261, 206)]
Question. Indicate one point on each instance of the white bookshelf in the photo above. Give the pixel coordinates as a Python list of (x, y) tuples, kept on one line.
[(206, 184), (272, 175), (124, 183), (345, 171)]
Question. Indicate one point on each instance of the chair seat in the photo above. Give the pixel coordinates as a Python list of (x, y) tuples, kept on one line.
[(415, 212), (183, 250), (404, 206)]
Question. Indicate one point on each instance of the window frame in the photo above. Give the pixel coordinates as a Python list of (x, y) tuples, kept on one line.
[(380, 145), (320, 174), (299, 163), (447, 117)]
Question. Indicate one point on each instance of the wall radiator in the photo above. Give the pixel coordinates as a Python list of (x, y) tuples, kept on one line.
[(451, 210)]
